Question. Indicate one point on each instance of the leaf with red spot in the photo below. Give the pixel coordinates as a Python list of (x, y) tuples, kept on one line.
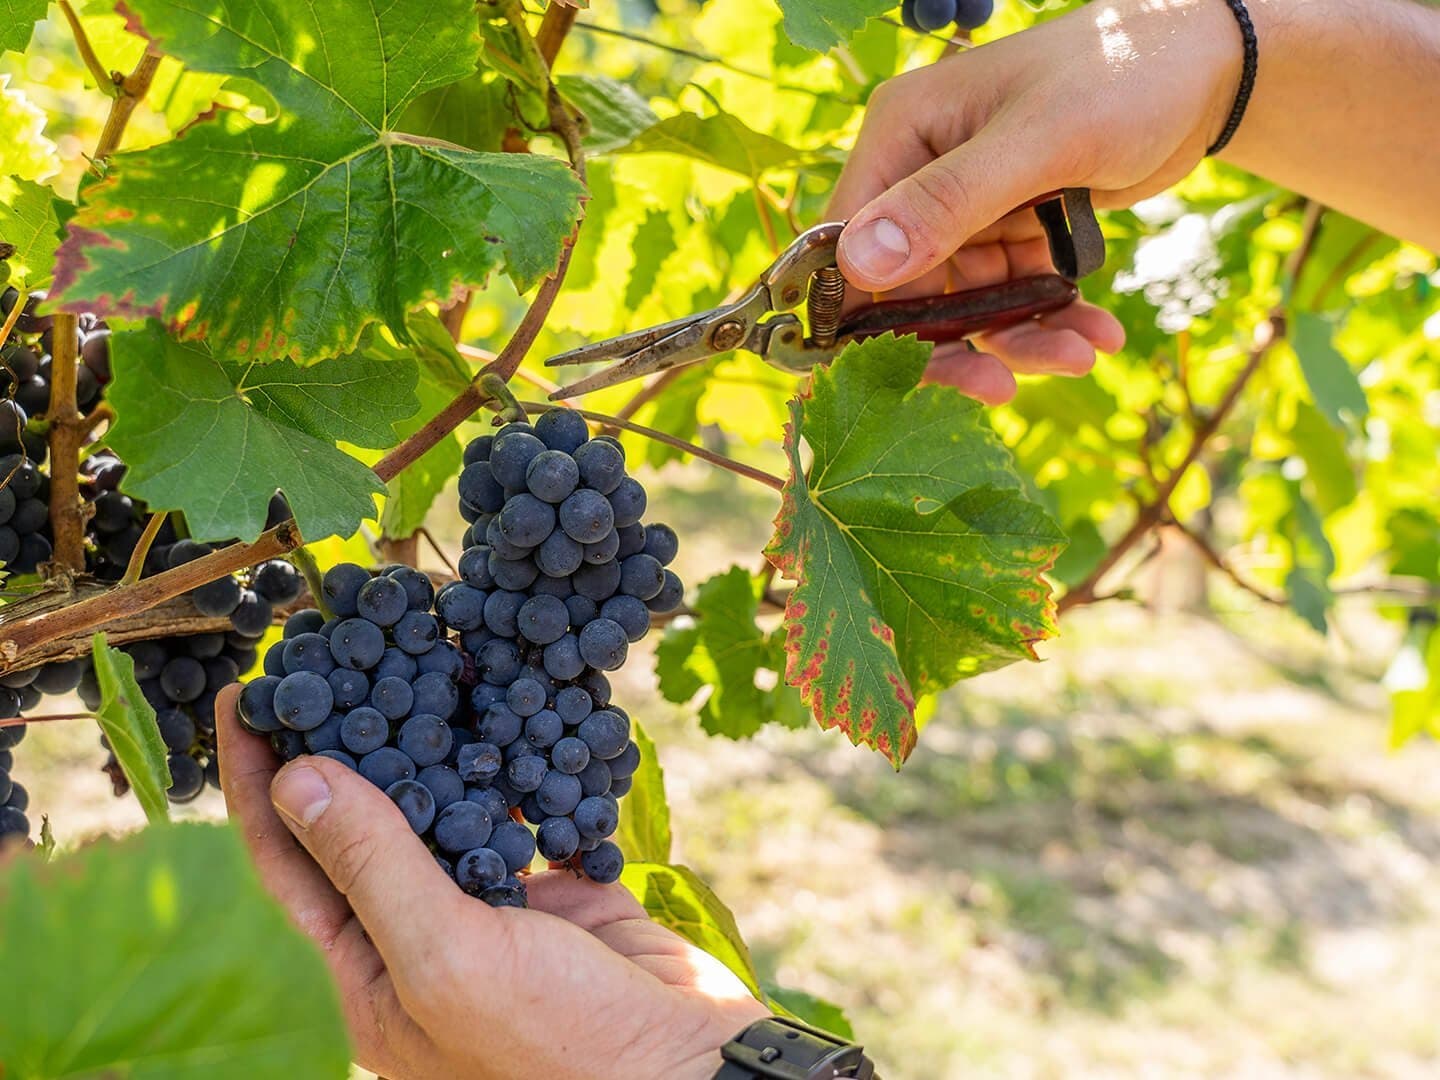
[(286, 239), (918, 558)]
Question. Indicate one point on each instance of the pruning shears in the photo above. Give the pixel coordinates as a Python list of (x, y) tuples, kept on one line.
[(763, 320)]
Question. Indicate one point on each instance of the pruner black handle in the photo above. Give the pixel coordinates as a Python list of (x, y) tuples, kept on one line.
[(1077, 246), (956, 316)]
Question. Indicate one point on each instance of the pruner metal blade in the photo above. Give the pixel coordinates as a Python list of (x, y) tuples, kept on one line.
[(670, 345), (738, 325)]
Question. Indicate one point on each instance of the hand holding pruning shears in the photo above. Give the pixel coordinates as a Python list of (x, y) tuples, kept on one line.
[(762, 321)]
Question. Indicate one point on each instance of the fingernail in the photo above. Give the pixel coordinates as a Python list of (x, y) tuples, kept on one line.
[(300, 794), (877, 249)]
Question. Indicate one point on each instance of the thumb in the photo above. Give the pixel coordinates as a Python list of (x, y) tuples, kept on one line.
[(925, 218), (367, 849)]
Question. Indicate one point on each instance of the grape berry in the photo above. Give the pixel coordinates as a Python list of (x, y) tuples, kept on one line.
[(929, 16)]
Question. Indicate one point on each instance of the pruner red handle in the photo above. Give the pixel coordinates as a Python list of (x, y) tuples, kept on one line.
[(956, 316)]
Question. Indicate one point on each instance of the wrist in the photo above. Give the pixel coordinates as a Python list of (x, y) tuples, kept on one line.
[(702, 1058), (1202, 35)]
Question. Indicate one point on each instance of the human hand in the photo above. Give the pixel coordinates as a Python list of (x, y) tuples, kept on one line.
[(1123, 98), (437, 984)]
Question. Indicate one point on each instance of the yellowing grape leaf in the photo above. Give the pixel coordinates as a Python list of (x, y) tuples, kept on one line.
[(28, 222), (25, 151), (286, 239), (195, 438), (918, 558)]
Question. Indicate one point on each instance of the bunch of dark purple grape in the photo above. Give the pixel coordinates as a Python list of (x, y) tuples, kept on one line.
[(179, 675), (377, 688), (558, 579), (247, 599)]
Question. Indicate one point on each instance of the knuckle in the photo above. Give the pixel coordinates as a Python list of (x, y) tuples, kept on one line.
[(349, 859), (939, 201), (895, 94)]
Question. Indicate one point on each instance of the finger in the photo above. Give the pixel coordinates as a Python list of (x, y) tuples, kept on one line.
[(247, 765), (923, 219), (978, 375), (580, 901), (885, 152), (1063, 343), (1096, 325), (369, 852), (1031, 349)]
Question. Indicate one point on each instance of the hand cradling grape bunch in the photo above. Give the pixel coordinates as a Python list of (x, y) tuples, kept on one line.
[(485, 706)]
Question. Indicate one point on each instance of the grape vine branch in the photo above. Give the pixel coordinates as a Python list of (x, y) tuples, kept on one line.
[(1155, 511)]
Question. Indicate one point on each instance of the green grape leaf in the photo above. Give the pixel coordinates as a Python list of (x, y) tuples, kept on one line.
[(1309, 597), (722, 653), (815, 1011), (644, 832), (678, 900), (1084, 552), (17, 20), (359, 398), (1337, 391), (722, 140), (28, 221), (192, 442), (918, 558), (823, 24), (615, 111), (443, 375), (1413, 547), (1327, 465), (186, 968), (128, 722), (654, 242), (287, 239), (473, 112), (505, 54)]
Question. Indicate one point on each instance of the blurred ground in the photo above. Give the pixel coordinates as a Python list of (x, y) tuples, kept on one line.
[(1177, 848)]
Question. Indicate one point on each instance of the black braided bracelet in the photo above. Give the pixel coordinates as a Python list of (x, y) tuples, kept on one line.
[(1247, 75)]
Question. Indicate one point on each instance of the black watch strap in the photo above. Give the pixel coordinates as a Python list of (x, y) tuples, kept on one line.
[(778, 1048)]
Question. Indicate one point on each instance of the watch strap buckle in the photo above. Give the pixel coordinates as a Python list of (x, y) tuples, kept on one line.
[(780, 1048)]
